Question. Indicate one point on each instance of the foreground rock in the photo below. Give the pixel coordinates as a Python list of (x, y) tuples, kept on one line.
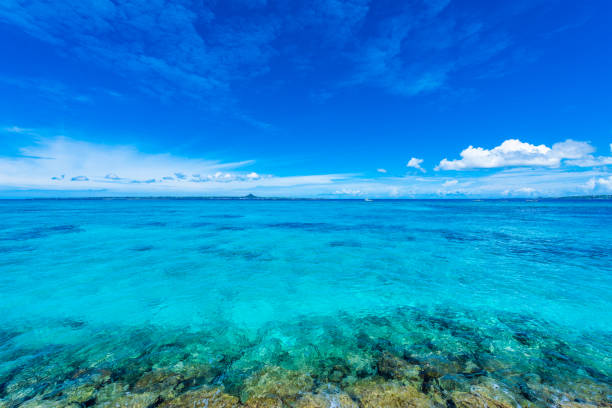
[(203, 398), (326, 400), (390, 394), (276, 383), (130, 400)]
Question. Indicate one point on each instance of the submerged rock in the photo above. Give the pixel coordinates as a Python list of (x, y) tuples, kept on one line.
[(453, 382), (276, 382), (487, 394), (266, 402), (393, 367), (203, 398), (165, 383), (326, 400), (130, 400), (40, 403), (81, 393), (390, 394), (111, 392), (83, 385), (574, 404), (472, 400)]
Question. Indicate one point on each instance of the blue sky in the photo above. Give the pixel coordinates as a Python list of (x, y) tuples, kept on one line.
[(324, 98)]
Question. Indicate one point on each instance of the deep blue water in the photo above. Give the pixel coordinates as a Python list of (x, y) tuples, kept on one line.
[(495, 290)]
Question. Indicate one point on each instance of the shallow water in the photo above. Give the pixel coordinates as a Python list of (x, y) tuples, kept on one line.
[(510, 301)]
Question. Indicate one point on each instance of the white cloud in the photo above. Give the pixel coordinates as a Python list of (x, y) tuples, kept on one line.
[(415, 163), (347, 191), (526, 190), (449, 183), (589, 161), (600, 183), (513, 152), (520, 192), (605, 183), (381, 170)]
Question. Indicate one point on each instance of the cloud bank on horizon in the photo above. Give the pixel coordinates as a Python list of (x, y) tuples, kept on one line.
[(63, 166)]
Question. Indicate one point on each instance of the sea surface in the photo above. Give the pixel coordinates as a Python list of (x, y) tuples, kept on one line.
[(219, 303)]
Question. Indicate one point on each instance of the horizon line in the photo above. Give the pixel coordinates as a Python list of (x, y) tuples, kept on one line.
[(251, 197)]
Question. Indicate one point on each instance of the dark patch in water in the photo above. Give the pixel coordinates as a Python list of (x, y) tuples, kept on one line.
[(143, 248), (73, 324), (460, 237), (153, 224), (527, 392), (329, 227), (207, 248), (350, 244), (522, 338), (547, 250), (202, 224), (230, 228), (232, 253), (64, 228), (40, 232), (12, 249), (239, 253), (6, 335), (222, 216), (309, 226), (175, 272), (501, 236)]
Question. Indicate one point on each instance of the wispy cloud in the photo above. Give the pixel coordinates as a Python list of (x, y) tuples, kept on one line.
[(417, 47), (204, 48), (56, 91), (98, 164), (17, 129), (63, 164), (174, 47)]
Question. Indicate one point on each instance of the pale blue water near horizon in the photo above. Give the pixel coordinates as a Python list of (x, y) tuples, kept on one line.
[(505, 295)]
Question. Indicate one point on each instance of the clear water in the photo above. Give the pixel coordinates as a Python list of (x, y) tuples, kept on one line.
[(515, 293)]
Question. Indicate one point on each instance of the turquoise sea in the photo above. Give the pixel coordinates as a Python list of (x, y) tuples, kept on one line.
[(288, 303)]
